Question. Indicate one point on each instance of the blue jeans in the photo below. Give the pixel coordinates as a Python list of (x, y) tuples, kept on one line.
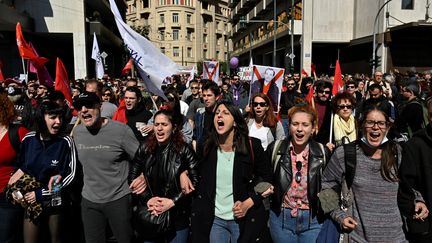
[(179, 236), (224, 231), (287, 229), (11, 221)]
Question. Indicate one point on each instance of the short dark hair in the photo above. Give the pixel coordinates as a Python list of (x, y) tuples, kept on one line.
[(212, 86), (342, 96), (51, 108), (135, 90), (375, 86)]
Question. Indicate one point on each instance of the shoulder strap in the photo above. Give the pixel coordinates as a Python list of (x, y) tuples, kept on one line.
[(14, 137), (279, 150), (273, 131), (350, 160)]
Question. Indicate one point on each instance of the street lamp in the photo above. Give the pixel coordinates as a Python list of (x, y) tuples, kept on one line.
[(374, 37), (274, 34)]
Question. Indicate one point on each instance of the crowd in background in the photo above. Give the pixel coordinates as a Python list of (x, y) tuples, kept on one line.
[(221, 165)]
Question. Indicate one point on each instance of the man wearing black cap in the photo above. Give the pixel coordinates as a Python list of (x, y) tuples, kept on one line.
[(105, 148)]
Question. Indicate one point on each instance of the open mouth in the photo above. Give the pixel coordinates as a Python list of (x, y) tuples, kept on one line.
[(86, 117), (220, 124), (299, 136), (374, 135)]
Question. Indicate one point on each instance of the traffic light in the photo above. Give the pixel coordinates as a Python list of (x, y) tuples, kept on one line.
[(377, 61)]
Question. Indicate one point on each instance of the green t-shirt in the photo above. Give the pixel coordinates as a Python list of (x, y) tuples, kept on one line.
[(224, 201)]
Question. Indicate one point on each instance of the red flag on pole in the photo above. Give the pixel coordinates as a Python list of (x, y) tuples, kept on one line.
[(25, 50), (42, 72), (62, 82), (1, 71), (309, 97), (128, 67), (304, 73), (338, 82), (120, 114)]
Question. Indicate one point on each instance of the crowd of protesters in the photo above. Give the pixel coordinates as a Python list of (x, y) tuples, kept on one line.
[(209, 163)]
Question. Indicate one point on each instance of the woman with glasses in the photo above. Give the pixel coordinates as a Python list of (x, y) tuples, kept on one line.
[(344, 124), (108, 102), (262, 122), (373, 214), (226, 207), (294, 214)]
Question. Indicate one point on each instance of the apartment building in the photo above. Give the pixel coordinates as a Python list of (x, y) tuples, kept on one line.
[(320, 32), (187, 31)]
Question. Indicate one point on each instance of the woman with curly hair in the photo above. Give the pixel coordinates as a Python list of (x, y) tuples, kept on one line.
[(10, 223), (262, 122), (162, 159)]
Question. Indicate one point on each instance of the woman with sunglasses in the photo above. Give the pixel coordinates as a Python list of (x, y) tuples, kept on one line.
[(295, 215), (50, 158), (109, 106), (344, 124), (262, 122), (373, 214), (226, 207)]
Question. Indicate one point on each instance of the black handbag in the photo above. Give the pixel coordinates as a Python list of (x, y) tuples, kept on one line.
[(144, 222)]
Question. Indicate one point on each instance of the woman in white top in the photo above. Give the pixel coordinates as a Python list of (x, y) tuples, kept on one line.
[(262, 122)]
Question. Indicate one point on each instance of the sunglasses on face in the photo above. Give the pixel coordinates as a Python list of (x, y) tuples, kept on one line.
[(41, 87), (341, 107), (194, 87), (290, 84), (298, 175), (107, 94), (86, 105), (324, 91), (262, 104), (351, 87)]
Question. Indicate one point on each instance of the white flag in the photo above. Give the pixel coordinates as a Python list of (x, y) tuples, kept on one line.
[(211, 70), (148, 59), (97, 57), (191, 76)]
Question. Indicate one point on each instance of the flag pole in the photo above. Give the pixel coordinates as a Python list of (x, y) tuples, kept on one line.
[(23, 64), (331, 128)]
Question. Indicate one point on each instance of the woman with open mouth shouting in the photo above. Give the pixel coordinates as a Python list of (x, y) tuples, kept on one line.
[(50, 158), (162, 158), (297, 162), (226, 207), (262, 122), (370, 211)]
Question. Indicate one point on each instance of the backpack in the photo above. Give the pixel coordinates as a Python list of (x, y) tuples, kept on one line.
[(425, 115), (14, 137)]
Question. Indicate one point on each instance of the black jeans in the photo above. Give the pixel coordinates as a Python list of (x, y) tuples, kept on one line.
[(11, 221), (117, 213)]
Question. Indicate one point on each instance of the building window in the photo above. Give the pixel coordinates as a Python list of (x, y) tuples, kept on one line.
[(408, 4), (176, 51), (175, 34), (188, 18), (189, 36), (162, 18), (204, 53), (217, 54), (162, 35), (162, 50), (218, 41), (175, 17), (146, 3), (205, 39), (189, 52)]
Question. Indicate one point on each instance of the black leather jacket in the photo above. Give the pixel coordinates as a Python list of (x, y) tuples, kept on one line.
[(283, 177)]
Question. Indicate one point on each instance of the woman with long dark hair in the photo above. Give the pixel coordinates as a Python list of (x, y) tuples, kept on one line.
[(49, 158), (226, 207), (262, 122), (374, 215), (162, 158)]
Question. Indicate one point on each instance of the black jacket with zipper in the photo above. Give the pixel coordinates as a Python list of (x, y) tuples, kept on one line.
[(162, 170), (283, 175)]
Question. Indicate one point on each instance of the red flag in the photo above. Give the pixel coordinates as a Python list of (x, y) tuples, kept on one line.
[(42, 72), (338, 82), (128, 67), (310, 96), (120, 114), (313, 68), (304, 73), (1, 71), (62, 82), (25, 50)]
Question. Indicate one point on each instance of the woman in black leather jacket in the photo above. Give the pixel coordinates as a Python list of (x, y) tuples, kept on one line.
[(162, 158), (297, 179)]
